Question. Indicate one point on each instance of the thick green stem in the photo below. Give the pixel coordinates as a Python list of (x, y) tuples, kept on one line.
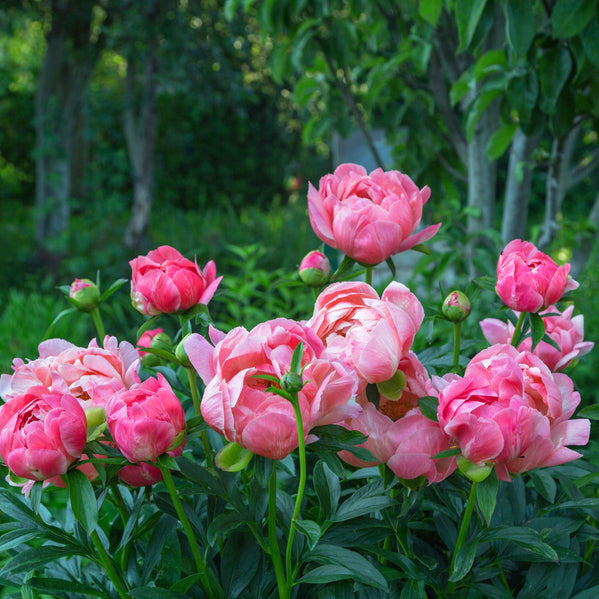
[(464, 526), (518, 329), (275, 555), (116, 580), (195, 397), (300, 489), (457, 335), (193, 543), (368, 275), (95, 314), (193, 387)]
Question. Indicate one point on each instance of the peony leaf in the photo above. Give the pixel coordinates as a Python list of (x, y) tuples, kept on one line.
[(83, 499), (428, 406)]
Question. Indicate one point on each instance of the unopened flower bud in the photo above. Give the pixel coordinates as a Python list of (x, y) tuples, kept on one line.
[(456, 306), (292, 382), (85, 292), (315, 269), (182, 354)]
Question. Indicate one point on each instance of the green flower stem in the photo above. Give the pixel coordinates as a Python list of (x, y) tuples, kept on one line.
[(95, 314), (275, 555), (116, 580), (193, 543), (457, 334), (368, 275), (464, 527), (300, 489), (193, 386), (195, 397), (518, 329)]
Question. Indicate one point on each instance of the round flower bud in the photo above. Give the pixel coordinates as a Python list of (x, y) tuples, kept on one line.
[(456, 306), (182, 354), (315, 269), (85, 292), (292, 382)]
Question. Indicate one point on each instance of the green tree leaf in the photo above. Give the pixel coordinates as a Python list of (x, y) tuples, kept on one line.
[(570, 17), (521, 28), (500, 140)]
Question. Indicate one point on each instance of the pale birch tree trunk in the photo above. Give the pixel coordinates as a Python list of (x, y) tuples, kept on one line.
[(67, 66), (140, 126), (518, 187)]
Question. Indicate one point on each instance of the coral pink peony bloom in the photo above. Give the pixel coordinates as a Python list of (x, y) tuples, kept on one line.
[(41, 433), (565, 330), (144, 474), (399, 435), (238, 405), (528, 280), (91, 373), (370, 333), (146, 420), (164, 281), (368, 217), (509, 410)]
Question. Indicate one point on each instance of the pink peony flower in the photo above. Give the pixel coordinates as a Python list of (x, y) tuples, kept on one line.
[(565, 330), (370, 333), (146, 420), (368, 217), (399, 435), (164, 281), (144, 474), (238, 405), (528, 280), (510, 411), (91, 373), (41, 433)]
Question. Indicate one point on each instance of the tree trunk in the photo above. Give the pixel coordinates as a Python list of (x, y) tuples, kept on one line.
[(140, 134), (557, 184), (518, 187), (65, 71), (586, 242)]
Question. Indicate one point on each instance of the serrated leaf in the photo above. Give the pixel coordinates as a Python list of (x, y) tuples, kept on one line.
[(428, 406)]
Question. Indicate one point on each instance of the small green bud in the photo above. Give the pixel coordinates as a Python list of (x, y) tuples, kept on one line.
[(292, 382), (456, 306), (315, 269), (182, 354), (85, 293)]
